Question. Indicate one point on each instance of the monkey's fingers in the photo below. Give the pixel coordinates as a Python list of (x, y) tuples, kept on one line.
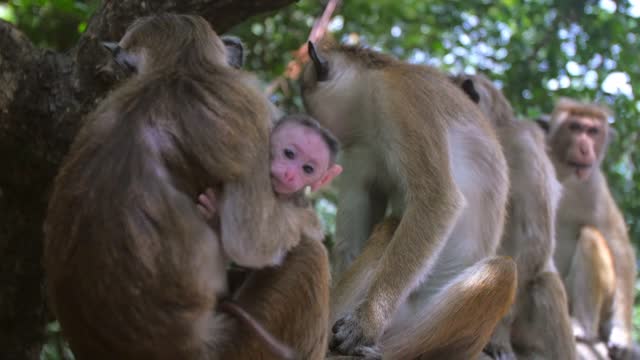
[(205, 212), (349, 339), (206, 207), (211, 195)]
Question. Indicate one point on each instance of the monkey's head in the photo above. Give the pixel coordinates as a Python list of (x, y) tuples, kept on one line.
[(171, 41), (491, 100), (578, 135), (334, 80)]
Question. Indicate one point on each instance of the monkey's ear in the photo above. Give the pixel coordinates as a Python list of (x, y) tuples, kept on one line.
[(321, 65), (543, 122), (332, 172), (468, 87), (122, 57), (235, 51)]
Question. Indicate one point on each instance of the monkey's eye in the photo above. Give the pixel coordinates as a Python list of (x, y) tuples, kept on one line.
[(308, 169), (574, 127), (593, 131), (289, 154)]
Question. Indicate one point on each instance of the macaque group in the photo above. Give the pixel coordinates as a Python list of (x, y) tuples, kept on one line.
[(133, 270), (457, 235), (593, 252)]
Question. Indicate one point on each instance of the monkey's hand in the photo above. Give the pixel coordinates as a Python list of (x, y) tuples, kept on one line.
[(499, 347), (350, 338), (207, 205), (620, 344), (312, 226), (499, 352)]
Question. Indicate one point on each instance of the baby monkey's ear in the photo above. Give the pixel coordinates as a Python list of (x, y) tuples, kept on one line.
[(333, 171)]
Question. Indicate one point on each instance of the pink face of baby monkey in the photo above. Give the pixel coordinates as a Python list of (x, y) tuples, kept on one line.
[(300, 157)]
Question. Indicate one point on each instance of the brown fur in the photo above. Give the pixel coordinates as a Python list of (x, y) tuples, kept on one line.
[(408, 135), (538, 326), (133, 270), (589, 202), (366, 57), (575, 108)]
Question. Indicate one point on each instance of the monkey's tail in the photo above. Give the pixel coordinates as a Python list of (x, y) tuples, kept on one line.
[(459, 320), (275, 346)]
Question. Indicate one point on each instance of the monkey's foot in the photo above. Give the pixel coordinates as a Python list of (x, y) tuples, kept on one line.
[(618, 345), (349, 339), (499, 352)]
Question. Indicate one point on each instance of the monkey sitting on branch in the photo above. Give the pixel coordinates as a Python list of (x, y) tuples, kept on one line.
[(593, 252), (133, 270)]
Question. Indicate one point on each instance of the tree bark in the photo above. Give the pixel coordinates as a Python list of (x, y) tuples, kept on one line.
[(44, 96)]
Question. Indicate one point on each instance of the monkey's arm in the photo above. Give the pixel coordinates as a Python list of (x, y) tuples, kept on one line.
[(257, 229), (426, 223), (625, 269)]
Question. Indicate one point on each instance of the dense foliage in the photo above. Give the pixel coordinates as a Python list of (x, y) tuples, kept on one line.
[(536, 51)]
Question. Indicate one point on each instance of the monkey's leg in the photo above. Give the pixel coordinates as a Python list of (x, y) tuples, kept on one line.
[(541, 327), (350, 288), (291, 301), (458, 322), (590, 283)]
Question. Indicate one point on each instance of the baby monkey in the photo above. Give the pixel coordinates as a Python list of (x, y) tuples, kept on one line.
[(303, 153)]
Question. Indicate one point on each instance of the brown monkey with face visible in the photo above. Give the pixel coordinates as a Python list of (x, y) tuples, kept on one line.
[(577, 141), (133, 270), (538, 326), (423, 285)]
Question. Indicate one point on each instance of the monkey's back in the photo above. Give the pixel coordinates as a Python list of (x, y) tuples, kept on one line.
[(130, 263)]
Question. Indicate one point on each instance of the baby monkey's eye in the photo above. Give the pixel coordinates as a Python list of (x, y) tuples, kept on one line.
[(308, 169), (289, 154)]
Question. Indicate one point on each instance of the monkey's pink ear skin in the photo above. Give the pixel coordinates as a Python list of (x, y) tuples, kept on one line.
[(331, 173), (321, 65)]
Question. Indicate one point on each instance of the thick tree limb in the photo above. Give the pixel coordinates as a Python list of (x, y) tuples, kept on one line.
[(43, 98)]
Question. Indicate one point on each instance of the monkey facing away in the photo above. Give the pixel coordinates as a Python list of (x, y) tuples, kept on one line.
[(538, 325), (133, 270), (577, 140), (424, 285)]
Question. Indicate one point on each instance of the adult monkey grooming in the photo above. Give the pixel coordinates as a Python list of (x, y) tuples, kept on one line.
[(411, 140), (133, 270), (577, 139), (538, 326)]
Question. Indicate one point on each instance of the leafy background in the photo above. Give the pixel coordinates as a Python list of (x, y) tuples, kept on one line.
[(536, 51)]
